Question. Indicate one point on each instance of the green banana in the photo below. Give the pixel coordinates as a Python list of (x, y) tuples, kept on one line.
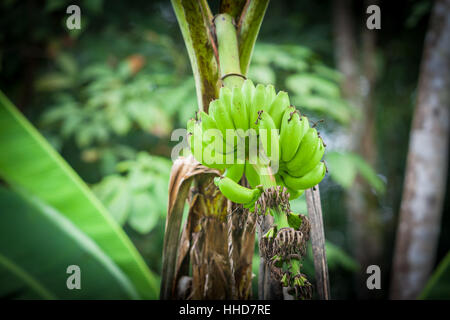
[(305, 124), (226, 99), (258, 103), (248, 90), (270, 96), (221, 114), (190, 134), (208, 123), (195, 139), (304, 152), (314, 160), (190, 126), (218, 111), (293, 194), (203, 148), (251, 175), (294, 149), (212, 161), (235, 172), (235, 192), (259, 98), (309, 180), (269, 136), (291, 133), (278, 107), (239, 110), (211, 155)]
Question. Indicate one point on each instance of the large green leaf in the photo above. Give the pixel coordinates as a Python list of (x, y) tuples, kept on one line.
[(37, 244), (28, 161), (438, 287)]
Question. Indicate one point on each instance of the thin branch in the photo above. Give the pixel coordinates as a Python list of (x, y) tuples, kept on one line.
[(318, 242)]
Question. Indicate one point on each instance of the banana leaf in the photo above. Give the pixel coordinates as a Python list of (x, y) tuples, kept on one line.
[(38, 244), (29, 162)]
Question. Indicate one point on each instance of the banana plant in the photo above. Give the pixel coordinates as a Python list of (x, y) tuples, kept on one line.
[(220, 48), (209, 244), (50, 219)]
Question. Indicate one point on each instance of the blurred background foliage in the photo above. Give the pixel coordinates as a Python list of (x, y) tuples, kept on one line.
[(108, 96)]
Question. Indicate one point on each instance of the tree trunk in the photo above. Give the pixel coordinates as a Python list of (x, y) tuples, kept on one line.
[(357, 86), (214, 253), (426, 170)]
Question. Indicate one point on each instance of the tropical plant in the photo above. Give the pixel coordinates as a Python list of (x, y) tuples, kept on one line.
[(46, 192), (220, 53)]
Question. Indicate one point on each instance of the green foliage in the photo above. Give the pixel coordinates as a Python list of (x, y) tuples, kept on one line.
[(418, 11), (311, 84), (337, 257), (29, 163), (106, 101), (33, 265), (438, 287), (344, 166), (84, 91), (139, 195)]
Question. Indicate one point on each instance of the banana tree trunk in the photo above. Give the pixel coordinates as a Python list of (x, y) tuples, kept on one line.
[(217, 241)]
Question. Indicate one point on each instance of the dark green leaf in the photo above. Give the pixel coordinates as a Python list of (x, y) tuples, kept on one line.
[(37, 244), (27, 161)]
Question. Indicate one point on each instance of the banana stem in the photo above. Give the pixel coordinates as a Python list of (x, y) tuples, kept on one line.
[(279, 217), (295, 266), (268, 181), (227, 43)]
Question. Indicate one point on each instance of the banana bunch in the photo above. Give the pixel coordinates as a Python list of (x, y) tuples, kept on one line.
[(301, 151), (256, 116)]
